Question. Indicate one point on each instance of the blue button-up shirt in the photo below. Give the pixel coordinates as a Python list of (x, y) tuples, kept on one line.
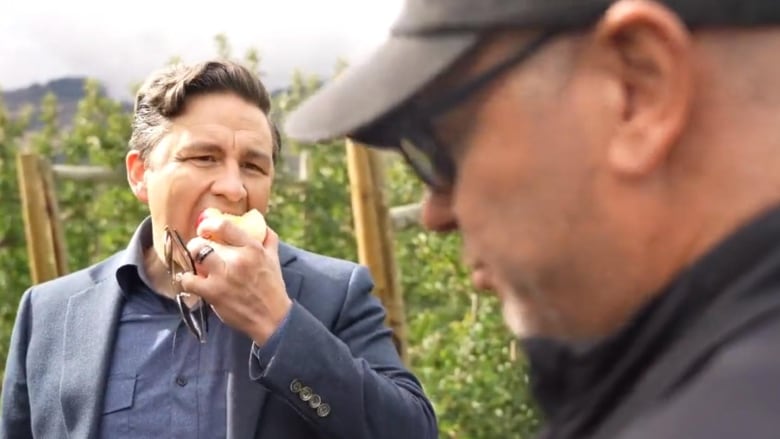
[(162, 382)]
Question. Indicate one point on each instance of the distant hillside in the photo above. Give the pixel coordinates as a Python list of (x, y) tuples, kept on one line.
[(67, 89), (69, 92)]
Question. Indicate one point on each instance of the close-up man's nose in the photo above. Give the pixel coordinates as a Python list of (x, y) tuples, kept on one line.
[(230, 184), (437, 214)]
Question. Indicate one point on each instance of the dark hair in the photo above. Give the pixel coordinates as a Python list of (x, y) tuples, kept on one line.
[(165, 92)]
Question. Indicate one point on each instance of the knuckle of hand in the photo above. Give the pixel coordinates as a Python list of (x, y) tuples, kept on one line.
[(242, 263)]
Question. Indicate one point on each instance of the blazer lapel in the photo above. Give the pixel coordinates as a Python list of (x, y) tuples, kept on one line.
[(90, 316), (246, 397)]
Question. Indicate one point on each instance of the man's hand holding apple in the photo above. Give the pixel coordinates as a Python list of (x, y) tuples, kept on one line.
[(242, 278)]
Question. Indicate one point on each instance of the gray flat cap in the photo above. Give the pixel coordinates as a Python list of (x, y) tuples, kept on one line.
[(431, 35)]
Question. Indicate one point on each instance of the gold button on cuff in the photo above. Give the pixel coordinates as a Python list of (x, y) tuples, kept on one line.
[(323, 410), (295, 386), (315, 401), (306, 393)]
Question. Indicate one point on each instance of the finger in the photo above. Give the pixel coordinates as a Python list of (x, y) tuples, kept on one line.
[(271, 242), (197, 285), (221, 230), (203, 253), (207, 255)]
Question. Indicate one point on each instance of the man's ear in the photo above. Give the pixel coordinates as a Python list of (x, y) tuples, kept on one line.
[(649, 49), (136, 174)]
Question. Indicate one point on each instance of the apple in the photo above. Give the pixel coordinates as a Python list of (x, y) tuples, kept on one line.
[(251, 222)]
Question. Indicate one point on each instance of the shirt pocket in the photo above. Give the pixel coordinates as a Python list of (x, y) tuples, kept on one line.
[(117, 405)]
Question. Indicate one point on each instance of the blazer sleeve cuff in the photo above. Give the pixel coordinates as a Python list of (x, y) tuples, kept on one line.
[(263, 355)]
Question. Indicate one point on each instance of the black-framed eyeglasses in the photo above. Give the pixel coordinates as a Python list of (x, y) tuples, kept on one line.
[(413, 125), (179, 260)]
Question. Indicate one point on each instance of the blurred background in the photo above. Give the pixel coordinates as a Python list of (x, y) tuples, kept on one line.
[(67, 75)]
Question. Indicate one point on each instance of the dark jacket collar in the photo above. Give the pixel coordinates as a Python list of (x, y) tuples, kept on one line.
[(588, 382)]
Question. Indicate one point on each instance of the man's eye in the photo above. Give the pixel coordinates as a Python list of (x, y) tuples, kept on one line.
[(203, 158), (255, 168)]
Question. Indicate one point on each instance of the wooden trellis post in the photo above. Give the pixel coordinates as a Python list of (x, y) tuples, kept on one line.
[(374, 233), (42, 228)]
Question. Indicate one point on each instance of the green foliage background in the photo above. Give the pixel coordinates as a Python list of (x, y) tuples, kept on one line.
[(458, 346)]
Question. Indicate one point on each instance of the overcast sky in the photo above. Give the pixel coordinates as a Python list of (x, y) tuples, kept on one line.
[(119, 42)]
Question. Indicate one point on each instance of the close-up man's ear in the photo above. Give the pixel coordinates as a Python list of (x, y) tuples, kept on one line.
[(136, 171), (650, 51)]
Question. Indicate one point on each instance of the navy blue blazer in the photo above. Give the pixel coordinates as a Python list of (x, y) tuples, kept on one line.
[(336, 344)]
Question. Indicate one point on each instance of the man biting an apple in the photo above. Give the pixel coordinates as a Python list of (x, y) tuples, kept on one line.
[(296, 346)]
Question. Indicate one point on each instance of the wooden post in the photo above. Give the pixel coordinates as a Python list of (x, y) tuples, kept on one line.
[(39, 208), (57, 234), (91, 174), (374, 235)]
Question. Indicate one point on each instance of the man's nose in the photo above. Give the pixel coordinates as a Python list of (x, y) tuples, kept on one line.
[(230, 184), (437, 214)]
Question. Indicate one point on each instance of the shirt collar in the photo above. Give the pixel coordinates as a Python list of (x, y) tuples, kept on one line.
[(132, 271)]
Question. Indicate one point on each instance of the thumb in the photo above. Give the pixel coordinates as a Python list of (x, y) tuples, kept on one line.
[(271, 242)]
